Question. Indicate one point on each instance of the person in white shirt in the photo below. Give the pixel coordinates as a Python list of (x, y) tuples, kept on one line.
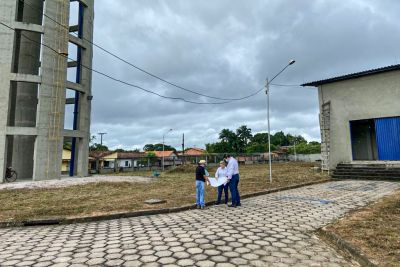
[(222, 173), (233, 177)]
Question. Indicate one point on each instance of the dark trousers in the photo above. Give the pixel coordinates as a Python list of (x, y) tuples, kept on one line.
[(225, 189), (233, 186)]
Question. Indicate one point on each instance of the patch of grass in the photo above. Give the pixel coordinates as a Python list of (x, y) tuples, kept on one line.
[(177, 187), (375, 230)]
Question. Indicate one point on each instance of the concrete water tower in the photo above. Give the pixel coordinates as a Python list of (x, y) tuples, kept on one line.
[(36, 40)]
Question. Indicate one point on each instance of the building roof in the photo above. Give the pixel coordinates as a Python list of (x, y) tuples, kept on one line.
[(159, 154), (195, 151), (353, 75), (116, 155), (129, 155), (100, 154)]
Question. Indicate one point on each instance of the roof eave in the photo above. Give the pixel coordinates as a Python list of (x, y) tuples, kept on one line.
[(353, 75)]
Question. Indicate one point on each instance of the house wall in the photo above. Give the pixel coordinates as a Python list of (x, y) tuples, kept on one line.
[(367, 97), (112, 156), (131, 163), (65, 166), (66, 157)]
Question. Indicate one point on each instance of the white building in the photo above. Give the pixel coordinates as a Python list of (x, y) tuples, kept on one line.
[(360, 117)]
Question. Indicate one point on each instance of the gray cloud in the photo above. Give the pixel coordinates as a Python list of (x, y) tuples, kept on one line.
[(227, 49)]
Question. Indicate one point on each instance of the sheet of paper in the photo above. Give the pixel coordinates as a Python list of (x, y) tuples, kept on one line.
[(217, 182)]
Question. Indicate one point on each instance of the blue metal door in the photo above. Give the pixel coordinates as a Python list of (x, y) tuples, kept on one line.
[(388, 138)]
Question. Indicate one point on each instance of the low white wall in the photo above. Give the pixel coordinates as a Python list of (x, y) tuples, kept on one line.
[(305, 157)]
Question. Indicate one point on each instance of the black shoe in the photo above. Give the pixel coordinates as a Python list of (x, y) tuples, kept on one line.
[(239, 205), (197, 206), (232, 206), (203, 207)]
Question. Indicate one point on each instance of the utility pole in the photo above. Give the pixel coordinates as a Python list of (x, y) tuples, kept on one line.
[(269, 132), (163, 147), (267, 91), (183, 148), (295, 155), (101, 137)]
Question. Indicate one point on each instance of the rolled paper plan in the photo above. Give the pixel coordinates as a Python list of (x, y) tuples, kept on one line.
[(217, 182)]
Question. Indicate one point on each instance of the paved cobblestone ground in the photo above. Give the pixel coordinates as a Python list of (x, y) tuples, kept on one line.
[(270, 230)]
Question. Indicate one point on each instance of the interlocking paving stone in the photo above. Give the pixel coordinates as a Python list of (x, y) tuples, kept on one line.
[(270, 230)]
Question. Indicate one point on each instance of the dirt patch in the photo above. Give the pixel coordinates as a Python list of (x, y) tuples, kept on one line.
[(177, 188), (374, 230)]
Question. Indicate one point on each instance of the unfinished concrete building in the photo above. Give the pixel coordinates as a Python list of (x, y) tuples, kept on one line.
[(42, 56)]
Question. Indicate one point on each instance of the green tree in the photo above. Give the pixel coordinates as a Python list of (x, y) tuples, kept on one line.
[(230, 139), (219, 147), (279, 139), (98, 147), (261, 138), (291, 139), (304, 148), (243, 137), (158, 147), (258, 148), (148, 147)]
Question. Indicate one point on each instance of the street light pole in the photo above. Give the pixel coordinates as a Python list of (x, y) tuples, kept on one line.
[(267, 91), (269, 132), (163, 144)]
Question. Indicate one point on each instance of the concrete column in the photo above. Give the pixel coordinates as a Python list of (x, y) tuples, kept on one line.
[(7, 15), (24, 95), (85, 99), (50, 115)]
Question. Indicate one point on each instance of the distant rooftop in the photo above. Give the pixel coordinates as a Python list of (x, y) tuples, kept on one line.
[(353, 75)]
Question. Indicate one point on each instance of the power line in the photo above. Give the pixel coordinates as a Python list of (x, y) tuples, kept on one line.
[(119, 80), (143, 70)]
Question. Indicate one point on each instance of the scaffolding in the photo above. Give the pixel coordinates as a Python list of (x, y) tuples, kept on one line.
[(325, 123)]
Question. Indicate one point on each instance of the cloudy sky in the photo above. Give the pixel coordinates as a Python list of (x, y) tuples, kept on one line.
[(227, 48)]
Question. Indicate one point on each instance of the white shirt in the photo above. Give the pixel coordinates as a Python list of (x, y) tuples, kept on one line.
[(221, 172), (233, 167)]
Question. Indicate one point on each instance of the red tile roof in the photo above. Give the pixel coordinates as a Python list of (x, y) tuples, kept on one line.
[(159, 154)]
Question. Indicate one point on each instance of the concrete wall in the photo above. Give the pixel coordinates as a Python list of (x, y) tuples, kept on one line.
[(305, 157), (85, 99), (367, 97)]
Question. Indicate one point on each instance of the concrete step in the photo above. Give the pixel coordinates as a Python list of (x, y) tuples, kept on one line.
[(368, 175), (367, 171), (366, 168), (335, 176)]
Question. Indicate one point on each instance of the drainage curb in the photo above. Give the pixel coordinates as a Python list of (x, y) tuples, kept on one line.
[(342, 245), (59, 221)]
